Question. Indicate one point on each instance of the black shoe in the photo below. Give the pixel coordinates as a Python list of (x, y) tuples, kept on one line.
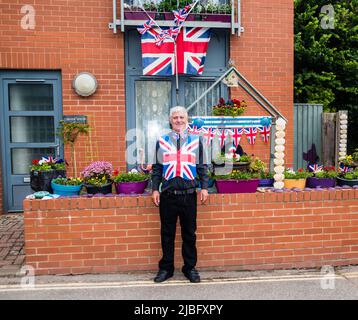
[(192, 275), (162, 275)]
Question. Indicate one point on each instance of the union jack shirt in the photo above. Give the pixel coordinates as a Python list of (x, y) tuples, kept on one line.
[(179, 162), (179, 159)]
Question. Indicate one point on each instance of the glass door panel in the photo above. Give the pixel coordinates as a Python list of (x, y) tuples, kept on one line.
[(32, 129), (153, 101), (21, 158), (30, 97)]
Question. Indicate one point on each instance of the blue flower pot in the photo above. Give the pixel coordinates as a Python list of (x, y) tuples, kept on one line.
[(266, 182), (63, 190)]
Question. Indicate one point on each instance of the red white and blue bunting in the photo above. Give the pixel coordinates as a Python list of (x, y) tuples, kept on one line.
[(231, 128)]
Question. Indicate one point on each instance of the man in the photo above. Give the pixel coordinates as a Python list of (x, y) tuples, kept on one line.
[(179, 157)]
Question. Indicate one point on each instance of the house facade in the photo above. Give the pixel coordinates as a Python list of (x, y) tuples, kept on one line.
[(45, 44)]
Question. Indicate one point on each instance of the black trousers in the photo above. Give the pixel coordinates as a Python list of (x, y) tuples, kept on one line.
[(171, 207)]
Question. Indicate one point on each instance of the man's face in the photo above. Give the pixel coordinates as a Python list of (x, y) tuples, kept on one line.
[(179, 121)]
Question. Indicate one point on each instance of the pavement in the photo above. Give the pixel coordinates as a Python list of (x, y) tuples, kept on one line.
[(12, 254)]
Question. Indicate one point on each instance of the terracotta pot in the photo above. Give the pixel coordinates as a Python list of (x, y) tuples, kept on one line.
[(295, 183)]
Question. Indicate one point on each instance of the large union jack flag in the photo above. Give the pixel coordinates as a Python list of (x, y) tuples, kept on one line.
[(192, 44), (157, 60), (179, 163)]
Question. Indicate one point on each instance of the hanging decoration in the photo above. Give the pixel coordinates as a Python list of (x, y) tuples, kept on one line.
[(167, 51), (251, 134), (279, 159), (236, 136), (265, 133)]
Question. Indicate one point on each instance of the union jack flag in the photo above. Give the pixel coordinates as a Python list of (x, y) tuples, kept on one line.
[(236, 136), (180, 16), (146, 26), (179, 163), (194, 130), (251, 134), (315, 168), (49, 159), (265, 133), (192, 44), (344, 168), (157, 60), (208, 135), (222, 137)]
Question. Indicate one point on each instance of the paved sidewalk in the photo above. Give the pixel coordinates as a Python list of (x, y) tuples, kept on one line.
[(12, 253)]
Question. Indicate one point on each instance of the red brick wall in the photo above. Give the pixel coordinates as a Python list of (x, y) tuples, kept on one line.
[(74, 37), (263, 54), (239, 231)]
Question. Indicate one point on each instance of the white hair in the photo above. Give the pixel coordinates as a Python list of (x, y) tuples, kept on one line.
[(178, 109)]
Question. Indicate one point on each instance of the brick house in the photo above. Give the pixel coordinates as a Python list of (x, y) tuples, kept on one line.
[(65, 39)]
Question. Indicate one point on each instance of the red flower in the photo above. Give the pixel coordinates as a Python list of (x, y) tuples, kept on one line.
[(35, 162), (221, 101), (115, 172)]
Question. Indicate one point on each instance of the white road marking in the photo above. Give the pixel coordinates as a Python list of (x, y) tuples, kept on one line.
[(147, 283)]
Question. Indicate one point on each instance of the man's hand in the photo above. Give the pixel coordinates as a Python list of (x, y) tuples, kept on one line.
[(156, 197), (204, 195)]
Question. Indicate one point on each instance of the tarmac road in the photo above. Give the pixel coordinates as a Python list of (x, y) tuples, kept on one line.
[(284, 285)]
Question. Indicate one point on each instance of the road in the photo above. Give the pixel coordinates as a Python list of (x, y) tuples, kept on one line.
[(296, 286)]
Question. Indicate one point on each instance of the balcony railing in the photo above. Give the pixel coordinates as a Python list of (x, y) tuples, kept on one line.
[(206, 13)]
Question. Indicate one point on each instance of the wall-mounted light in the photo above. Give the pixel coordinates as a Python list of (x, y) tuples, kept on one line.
[(85, 84)]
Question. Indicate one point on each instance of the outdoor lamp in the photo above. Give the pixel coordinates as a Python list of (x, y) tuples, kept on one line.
[(85, 84)]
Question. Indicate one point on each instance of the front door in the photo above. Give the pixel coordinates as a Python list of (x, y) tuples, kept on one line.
[(30, 109)]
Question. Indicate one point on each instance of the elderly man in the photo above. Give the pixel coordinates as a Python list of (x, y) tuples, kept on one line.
[(179, 158)]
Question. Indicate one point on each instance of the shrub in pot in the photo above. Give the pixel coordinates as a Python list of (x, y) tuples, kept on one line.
[(67, 186), (322, 177), (131, 182), (296, 179), (237, 182), (97, 177)]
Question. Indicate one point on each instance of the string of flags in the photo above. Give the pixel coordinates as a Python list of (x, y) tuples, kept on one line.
[(180, 16), (234, 134)]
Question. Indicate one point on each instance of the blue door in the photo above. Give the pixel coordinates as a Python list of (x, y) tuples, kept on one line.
[(30, 108)]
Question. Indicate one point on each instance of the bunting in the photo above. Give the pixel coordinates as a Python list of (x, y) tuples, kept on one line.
[(265, 133), (251, 133)]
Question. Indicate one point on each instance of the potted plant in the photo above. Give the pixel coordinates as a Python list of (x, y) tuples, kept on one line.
[(349, 178), (43, 171), (231, 107), (226, 162), (295, 179), (324, 178), (237, 182), (131, 182), (97, 177), (69, 132), (67, 186)]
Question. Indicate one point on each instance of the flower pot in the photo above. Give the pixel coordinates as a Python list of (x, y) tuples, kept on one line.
[(216, 17), (133, 187), (107, 188), (313, 182), (138, 15), (295, 183), (237, 186), (41, 180), (266, 182), (65, 190), (346, 182)]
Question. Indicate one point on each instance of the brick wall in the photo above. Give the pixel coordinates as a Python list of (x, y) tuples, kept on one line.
[(74, 37), (239, 231)]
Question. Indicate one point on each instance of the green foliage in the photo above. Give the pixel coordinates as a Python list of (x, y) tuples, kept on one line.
[(130, 177), (299, 174), (69, 131), (352, 175), (327, 172), (326, 64), (68, 181)]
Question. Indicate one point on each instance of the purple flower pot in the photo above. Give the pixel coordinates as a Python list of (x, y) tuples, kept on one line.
[(216, 17), (313, 182), (266, 182), (136, 187), (237, 186), (138, 15)]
